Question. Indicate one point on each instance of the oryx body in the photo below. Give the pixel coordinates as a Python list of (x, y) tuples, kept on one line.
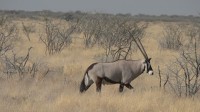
[(121, 72)]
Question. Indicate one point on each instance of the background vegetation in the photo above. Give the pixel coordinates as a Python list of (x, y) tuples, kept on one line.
[(44, 54)]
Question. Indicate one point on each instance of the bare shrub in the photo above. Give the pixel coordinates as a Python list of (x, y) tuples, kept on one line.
[(57, 36), (23, 66), (193, 33), (112, 34), (184, 71), (172, 37), (90, 27), (8, 33), (128, 32), (16, 64), (28, 29), (117, 38)]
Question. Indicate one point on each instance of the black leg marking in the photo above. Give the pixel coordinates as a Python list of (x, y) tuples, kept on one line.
[(129, 86), (98, 84), (121, 87)]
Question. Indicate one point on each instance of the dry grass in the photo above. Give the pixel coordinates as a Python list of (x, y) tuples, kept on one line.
[(59, 92)]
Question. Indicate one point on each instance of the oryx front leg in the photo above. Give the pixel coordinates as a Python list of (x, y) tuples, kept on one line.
[(129, 86), (98, 84)]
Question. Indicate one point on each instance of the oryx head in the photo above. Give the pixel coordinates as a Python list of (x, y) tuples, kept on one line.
[(147, 60), (148, 66)]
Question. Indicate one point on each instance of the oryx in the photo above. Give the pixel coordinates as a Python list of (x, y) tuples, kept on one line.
[(119, 72)]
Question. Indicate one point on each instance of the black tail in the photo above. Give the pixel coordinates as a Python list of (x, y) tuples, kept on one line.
[(83, 86)]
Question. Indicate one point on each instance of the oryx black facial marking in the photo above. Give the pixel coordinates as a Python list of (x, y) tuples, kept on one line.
[(148, 66)]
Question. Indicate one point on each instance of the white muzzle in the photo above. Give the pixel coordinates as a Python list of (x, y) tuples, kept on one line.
[(150, 72)]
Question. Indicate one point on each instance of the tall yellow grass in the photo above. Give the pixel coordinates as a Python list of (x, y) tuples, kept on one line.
[(59, 92)]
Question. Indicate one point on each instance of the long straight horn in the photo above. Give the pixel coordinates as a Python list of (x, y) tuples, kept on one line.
[(141, 49)]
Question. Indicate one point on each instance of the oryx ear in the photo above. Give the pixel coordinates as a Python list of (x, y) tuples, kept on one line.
[(149, 59)]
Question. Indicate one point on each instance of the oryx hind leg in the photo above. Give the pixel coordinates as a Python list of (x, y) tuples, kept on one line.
[(121, 87), (98, 84)]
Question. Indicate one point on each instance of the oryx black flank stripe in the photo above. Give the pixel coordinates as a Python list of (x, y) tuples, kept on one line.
[(110, 81)]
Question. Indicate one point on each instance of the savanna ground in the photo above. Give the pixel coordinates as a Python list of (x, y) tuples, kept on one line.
[(58, 91)]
